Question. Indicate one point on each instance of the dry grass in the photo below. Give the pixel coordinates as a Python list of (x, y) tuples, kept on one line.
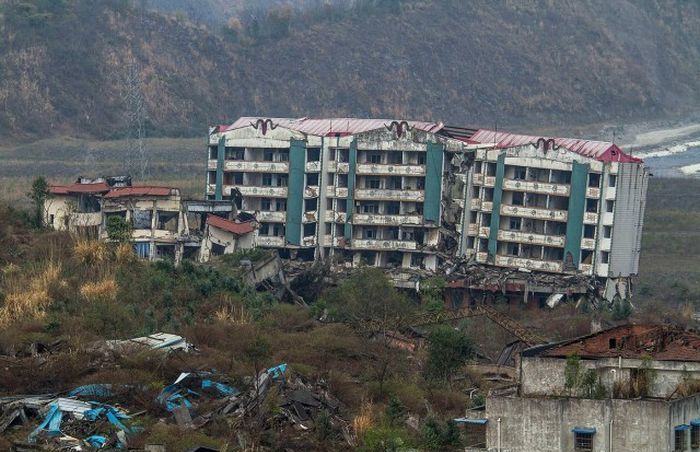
[(364, 420), (29, 299), (104, 290), (91, 251), (234, 313), (124, 253)]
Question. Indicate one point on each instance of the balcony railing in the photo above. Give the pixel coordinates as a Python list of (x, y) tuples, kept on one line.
[(311, 191), (259, 191), (313, 167), (530, 264), (270, 241), (391, 170), (534, 212), (531, 238), (390, 195), (269, 216), (335, 217), (388, 220), (310, 217), (536, 187), (372, 244)]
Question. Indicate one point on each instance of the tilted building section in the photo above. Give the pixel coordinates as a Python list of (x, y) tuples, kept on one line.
[(422, 196)]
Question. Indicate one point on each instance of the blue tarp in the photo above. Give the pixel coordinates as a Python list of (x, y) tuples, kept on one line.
[(277, 371), (223, 389), (51, 424), (695, 422), (681, 427), (584, 430), (97, 441)]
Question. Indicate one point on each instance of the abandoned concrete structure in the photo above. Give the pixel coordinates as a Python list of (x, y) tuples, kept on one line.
[(629, 388), (84, 208), (417, 195)]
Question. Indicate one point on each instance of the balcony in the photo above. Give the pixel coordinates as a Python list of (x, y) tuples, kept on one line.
[(311, 191), (530, 264), (338, 167), (472, 229), (308, 241), (335, 217), (270, 241), (337, 192), (590, 217), (313, 167), (487, 206), (478, 179), (484, 232), (391, 170), (334, 241), (536, 187), (593, 192), (534, 212), (310, 217), (390, 195), (489, 181), (387, 220), (259, 191), (389, 245), (531, 238), (588, 244), (586, 268), (475, 204), (252, 166), (84, 219), (269, 216), (482, 257)]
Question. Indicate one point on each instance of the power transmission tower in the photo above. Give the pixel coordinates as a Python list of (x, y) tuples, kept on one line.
[(133, 97)]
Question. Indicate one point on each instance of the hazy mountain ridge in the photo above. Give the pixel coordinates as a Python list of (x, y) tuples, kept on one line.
[(67, 64)]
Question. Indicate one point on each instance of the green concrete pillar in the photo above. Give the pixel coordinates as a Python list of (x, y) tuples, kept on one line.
[(496, 212), (295, 191), (350, 202), (433, 182), (574, 223), (221, 151)]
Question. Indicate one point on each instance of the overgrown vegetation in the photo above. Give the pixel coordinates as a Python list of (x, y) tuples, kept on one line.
[(56, 289)]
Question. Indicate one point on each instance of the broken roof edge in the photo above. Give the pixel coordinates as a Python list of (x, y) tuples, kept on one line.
[(539, 350), (598, 150), (242, 228)]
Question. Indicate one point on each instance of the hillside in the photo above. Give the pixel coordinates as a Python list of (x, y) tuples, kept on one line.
[(73, 68)]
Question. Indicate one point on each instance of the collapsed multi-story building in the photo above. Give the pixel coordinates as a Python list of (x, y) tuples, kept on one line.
[(419, 195)]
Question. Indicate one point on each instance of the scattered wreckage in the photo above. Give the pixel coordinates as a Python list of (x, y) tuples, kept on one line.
[(98, 416)]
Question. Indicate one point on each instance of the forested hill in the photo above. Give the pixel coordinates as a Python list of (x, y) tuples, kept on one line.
[(91, 67)]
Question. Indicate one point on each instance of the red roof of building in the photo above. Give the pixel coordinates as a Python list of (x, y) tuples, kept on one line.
[(99, 187), (659, 342), (599, 150), (139, 190), (231, 226), (330, 126)]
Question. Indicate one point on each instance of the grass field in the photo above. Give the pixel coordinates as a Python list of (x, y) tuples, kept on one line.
[(670, 262)]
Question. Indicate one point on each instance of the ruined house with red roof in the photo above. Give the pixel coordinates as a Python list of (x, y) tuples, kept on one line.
[(629, 388)]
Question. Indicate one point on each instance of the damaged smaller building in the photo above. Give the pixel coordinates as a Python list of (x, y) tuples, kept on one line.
[(630, 388), (156, 215)]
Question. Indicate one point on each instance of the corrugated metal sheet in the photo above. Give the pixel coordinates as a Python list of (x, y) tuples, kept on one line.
[(599, 150), (100, 187), (139, 190), (231, 226), (324, 127)]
